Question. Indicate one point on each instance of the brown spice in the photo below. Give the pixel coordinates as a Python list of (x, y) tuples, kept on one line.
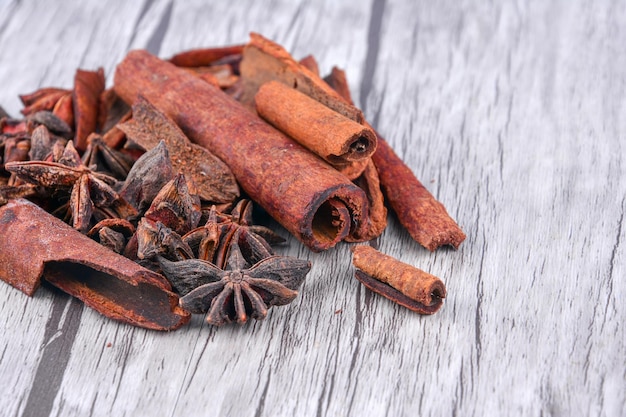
[(204, 56), (264, 60), (42, 99), (310, 63), (425, 218), (36, 245), (238, 292), (212, 178), (402, 283), (338, 82), (88, 86), (377, 219), (295, 187), (64, 109), (332, 136)]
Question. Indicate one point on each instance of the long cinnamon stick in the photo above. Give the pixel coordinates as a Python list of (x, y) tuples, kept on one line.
[(35, 245), (309, 198), (425, 218), (332, 136)]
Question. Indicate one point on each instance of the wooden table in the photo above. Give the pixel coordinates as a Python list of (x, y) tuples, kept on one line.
[(514, 116)]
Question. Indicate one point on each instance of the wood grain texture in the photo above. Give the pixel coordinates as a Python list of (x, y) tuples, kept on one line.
[(513, 114)]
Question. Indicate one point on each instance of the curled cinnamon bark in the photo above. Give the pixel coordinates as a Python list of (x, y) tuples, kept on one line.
[(35, 245), (308, 197), (402, 283), (332, 136), (88, 86), (425, 218), (264, 60), (204, 56)]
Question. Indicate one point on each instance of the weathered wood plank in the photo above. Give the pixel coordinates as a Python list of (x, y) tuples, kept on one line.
[(513, 115)]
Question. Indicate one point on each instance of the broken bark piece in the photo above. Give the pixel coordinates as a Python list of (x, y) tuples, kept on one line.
[(112, 110), (298, 189), (64, 109), (42, 99), (377, 219), (332, 136), (88, 86), (338, 82), (204, 56), (425, 218), (212, 178), (404, 284), (310, 63), (35, 245)]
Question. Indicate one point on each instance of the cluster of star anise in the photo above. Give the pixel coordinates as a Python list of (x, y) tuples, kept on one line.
[(137, 204)]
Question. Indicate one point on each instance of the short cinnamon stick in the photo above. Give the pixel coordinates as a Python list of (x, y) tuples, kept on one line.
[(332, 136), (35, 245), (402, 283), (309, 198), (264, 60)]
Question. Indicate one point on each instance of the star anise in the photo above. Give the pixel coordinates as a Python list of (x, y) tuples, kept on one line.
[(214, 238), (239, 291), (105, 159), (89, 191), (8, 192)]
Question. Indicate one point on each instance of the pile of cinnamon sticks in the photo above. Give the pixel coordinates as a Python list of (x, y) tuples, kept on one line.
[(245, 119)]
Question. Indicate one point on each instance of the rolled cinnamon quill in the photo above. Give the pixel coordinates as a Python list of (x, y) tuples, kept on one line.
[(35, 245), (425, 218), (404, 284), (332, 136), (308, 197)]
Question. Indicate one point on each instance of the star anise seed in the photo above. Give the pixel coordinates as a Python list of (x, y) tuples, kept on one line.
[(234, 294)]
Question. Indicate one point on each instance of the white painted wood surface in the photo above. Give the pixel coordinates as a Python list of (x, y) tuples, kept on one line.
[(514, 116)]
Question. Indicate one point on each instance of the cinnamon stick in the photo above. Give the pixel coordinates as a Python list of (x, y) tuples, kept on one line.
[(332, 136), (264, 60), (309, 198), (402, 283), (377, 219), (35, 245), (425, 218)]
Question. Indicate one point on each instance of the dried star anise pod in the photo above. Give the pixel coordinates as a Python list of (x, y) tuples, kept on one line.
[(175, 207), (214, 180), (49, 120), (16, 147), (212, 240), (88, 189), (8, 192), (172, 213), (112, 233), (147, 177), (238, 292), (99, 157), (155, 239)]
